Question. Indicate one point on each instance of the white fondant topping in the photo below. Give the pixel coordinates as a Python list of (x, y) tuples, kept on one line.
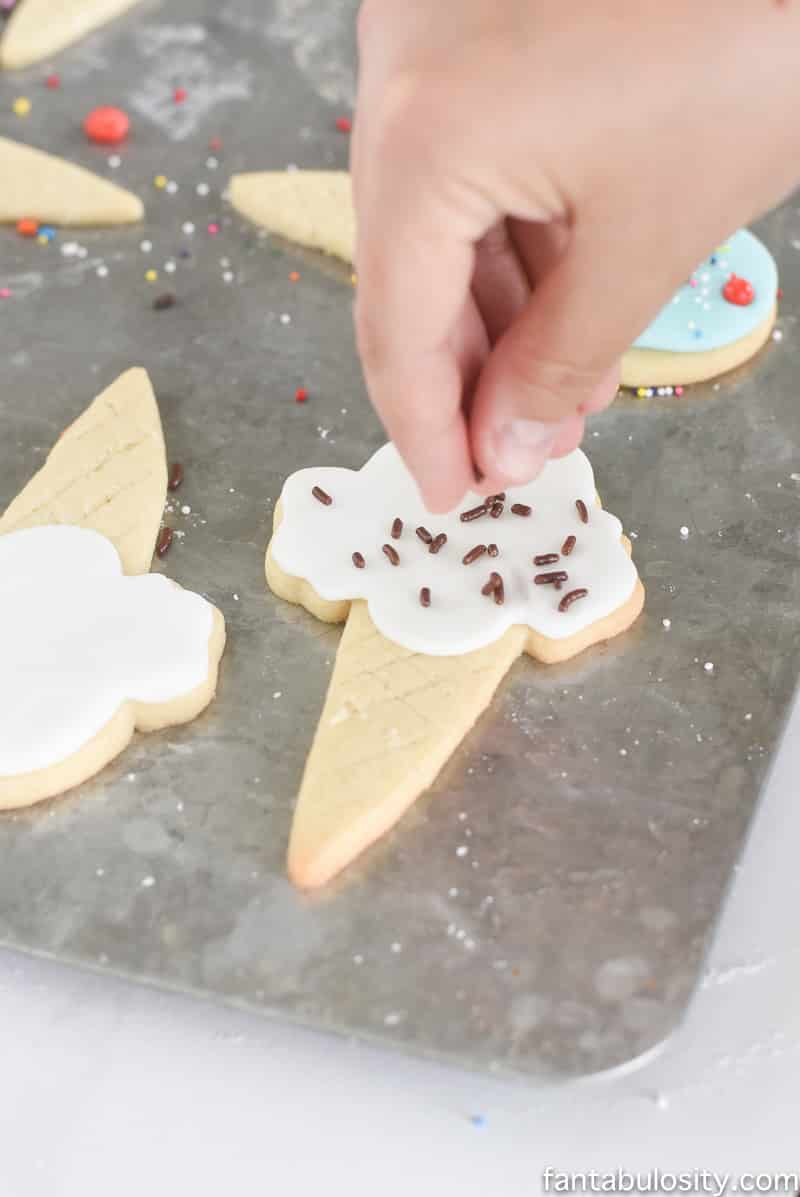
[(316, 542), (78, 639)]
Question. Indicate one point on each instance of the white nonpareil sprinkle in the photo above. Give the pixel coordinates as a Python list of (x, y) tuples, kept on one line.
[(285, 318), (666, 623), (202, 189), (393, 1019), (623, 752), (277, 693), (709, 667), (777, 335), (358, 959), (188, 228), (212, 163), (462, 850), (114, 161), (70, 249), (171, 187), (227, 277), (684, 532), (148, 882), (169, 267), (102, 271), (146, 246), (186, 509), (397, 947)]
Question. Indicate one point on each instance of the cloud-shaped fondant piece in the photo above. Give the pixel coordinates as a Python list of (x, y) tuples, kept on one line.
[(79, 641), (316, 541)]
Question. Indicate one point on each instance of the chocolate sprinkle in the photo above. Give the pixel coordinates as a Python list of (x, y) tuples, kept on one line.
[(545, 559), (425, 597), (162, 302), (582, 512), (489, 586), (497, 509), (474, 513), (321, 495), (568, 546), (358, 561), (493, 550), (437, 543), (473, 554), (397, 528), (164, 541), (499, 591), (424, 535), (392, 554), (521, 509), (556, 575), (572, 597), (175, 476)]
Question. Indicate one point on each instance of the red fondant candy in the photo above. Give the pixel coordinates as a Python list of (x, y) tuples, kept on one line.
[(107, 126), (739, 291)]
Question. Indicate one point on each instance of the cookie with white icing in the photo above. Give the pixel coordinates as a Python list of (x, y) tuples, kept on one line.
[(437, 610), (94, 647), (38, 29), (39, 186), (717, 320)]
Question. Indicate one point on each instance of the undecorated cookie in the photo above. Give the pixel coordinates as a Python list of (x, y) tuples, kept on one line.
[(310, 207), (718, 319), (38, 186), (38, 29), (437, 610)]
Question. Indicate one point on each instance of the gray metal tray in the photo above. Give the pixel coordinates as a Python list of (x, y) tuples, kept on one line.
[(603, 803)]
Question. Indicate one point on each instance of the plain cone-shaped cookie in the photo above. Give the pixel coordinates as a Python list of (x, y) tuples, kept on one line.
[(39, 28), (108, 472), (391, 720), (310, 207), (38, 186)]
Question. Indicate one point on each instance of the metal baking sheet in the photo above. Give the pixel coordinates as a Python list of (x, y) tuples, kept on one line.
[(603, 804)]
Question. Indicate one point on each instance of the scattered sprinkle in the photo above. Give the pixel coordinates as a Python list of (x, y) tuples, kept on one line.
[(344, 124), (300, 395), (21, 106), (148, 882), (202, 189), (145, 246), (213, 229), (684, 532), (666, 623), (179, 95), (709, 667), (53, 82), (188, 228), (164, 541), (102, 272), (160, 181), (151, 276), (186, 509)]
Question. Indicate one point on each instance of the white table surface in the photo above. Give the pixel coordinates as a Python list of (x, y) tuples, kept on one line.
[(113, 1089)]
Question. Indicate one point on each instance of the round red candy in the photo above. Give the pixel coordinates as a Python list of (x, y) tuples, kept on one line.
[(739, 291), (107, 126)]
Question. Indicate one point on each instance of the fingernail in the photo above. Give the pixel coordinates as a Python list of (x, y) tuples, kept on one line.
[(522, 447)]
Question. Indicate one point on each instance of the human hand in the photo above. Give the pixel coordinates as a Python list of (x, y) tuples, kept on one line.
[(532, 181)]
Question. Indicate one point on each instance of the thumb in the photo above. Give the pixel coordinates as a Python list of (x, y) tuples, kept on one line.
[(557, 361)]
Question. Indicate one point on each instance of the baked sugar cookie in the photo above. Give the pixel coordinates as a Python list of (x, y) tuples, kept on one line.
[(38, 29), (437, 609), (92, 646), (108, 472), (310, 207), (38, 186), (718, 319)]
